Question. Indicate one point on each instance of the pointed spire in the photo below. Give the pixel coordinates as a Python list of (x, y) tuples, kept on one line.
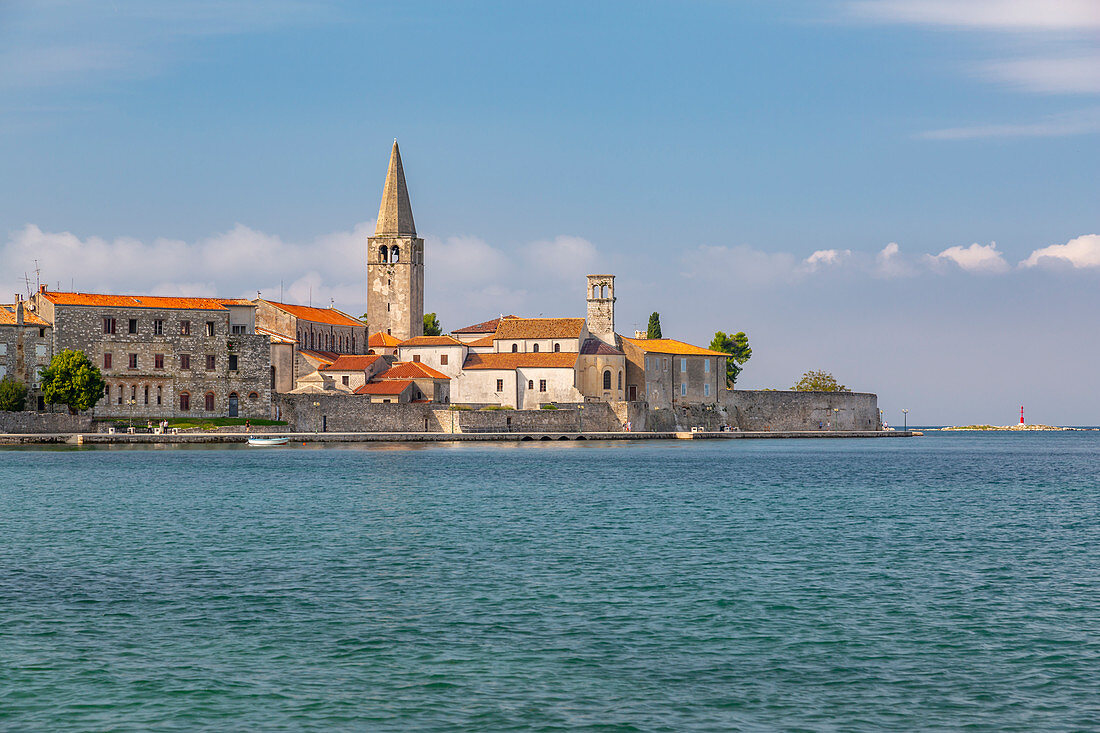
[(395, 216)]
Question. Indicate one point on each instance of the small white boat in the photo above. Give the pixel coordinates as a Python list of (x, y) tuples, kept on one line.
[(273, 440)]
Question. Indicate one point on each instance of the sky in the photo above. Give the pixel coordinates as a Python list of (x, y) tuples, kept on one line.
[(904, 193)]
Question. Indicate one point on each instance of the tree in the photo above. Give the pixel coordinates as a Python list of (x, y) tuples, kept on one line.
[(654, 331), (737, 346), (431, 325), (819, 382), (72, 380), (13, 394)]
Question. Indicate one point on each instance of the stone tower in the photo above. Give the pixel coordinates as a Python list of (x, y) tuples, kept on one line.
[(601, 307), (395, 262)]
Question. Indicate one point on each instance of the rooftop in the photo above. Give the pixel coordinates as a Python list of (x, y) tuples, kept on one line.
[(595, 346), (483, 327), (142, 301), (431, 341), (330, 316), (7, 316), (411, 370), (547, 360), (539, 328), (391, 387), (382, 340), (672, 346), (351, 363)]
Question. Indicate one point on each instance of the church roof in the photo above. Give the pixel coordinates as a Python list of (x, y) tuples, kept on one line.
[(395, 215), (509, 361), (484, 327), (539, 328), (329, 316), (595, 346)]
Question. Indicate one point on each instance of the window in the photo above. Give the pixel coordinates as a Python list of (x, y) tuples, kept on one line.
[(238, 328), (395, 254), (40, 349), (120, 388), (185, 361), (416, 358), (107, 392), (535, 348), (185, 328), (683, 365), (185, 401), (209, 328), (133, 361), (158, 361), (683, 389), (515, 348), (106, 361), (607, 379), (706, 366), (147, 394), (620, 380), (530, 384), (108, 325), (253, 396), (442, 360), (158, 395), (3, 371), (209, 362), (3, 349), (41, 333), (133, 393), (557, 348), (345, 380), (132, 326), (542, 385), (209, 402), (232, 362), (666, 363), (500, 385), (706, 389), (158, 327)]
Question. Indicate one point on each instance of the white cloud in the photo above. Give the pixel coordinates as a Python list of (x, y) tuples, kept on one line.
[(1082, 252), (826, 258), (563, 257), (1067, 74), (1005, 15), (890, 263), (465, 260), (1084, 122), (979, 258)]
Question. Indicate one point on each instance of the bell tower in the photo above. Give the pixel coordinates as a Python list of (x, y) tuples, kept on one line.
[(601, 307), (395, 262)]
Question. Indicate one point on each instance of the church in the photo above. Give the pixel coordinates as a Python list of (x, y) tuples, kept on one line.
[(510, 361)]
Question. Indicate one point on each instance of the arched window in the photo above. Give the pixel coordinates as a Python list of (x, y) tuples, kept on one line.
[(557, 348), (620, 380), (382, 254), (209, 402), (595, 291), (535, 348), (185, 401), (353, 343), (515, 348), (253, 396), (395, 254), (607, 379), (370, 352)]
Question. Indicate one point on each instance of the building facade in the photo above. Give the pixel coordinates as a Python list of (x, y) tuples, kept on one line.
[(26, 347)]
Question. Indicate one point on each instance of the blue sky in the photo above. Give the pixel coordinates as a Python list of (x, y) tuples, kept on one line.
[(903, 192)]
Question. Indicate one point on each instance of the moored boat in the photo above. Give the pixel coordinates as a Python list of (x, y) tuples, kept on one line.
[(267, 441)]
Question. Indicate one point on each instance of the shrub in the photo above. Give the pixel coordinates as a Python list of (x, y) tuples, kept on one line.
[(13, 394), (498, 407), (548, 406)]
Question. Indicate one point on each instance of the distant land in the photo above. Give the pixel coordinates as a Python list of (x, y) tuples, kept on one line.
[(1018, 427)]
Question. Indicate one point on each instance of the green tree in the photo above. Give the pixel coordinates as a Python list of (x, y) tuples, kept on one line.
[(737, 346), (654, 331), (72, 380), (819, 382), (13, 394), (431, 325)]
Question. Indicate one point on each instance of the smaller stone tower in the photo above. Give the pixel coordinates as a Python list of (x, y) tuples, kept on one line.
[(395, 262), (601, 307)]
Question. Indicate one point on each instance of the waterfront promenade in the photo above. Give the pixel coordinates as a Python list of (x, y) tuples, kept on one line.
[(409, 437)]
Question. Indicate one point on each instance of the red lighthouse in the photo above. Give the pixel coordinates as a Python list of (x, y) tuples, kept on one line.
[(1022, 415)]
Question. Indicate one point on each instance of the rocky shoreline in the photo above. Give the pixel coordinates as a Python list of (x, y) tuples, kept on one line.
[(1019, 428)]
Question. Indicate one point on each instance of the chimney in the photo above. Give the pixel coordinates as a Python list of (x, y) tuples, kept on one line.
[(42, 288), (19, 312)]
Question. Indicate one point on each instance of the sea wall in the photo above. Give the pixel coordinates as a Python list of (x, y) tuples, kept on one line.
[(44, 422), (786, 410), (594, 417), (355, 413)]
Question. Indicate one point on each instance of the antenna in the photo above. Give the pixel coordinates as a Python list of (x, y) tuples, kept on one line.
[(310, 296), (38, 276), (280, 291)]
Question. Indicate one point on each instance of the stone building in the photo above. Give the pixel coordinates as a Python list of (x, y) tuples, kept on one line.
[(601, 307), (395, 262), (165, 357), (304, 338), (26, 347), (667, 372)]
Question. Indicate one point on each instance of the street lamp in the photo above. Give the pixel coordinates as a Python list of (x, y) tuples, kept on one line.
[(905, 418), (316, 424), (836, 418), (131, 402)]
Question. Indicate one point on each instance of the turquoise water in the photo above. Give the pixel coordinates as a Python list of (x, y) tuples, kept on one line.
[(930, 583)]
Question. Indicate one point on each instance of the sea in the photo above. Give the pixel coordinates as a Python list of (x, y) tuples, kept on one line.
[(945, 582)]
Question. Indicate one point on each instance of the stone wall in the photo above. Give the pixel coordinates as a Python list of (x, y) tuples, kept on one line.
[(355, 413), (595, 417), (786, 410), (44, 422)]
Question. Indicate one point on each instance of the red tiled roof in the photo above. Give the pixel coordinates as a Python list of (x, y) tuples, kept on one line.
[(7, 316), (484, 327), (411, 370), (484, 341), (392, 387), (141, 301), (276, 337), (382, 340), (331, 316), (595, 346), (323, 358), (550, 360), (539, 328), (431, 341), (351, 363), (672, 346)]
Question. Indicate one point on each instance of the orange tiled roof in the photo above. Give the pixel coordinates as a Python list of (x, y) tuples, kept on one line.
[(276, 337), (549, 360), (141, 301), (484, 341), (7, 316), (672, 346), (484, 327), (351, 363), (322, 358), (382, 340), (539, 328), (431, 341), (392, 387), (411, 370), (331, 316)]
